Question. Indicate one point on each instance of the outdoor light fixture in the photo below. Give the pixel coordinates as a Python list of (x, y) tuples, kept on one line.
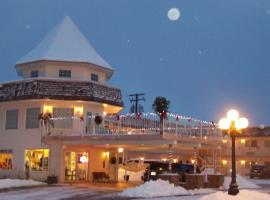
[(78, 110), (106, 154), (192, 161), (233, 125), (47, 109), (120, 150), (104, 113), (142, 158), (243, 141), (224, 162), (243, 162), (83, 159)]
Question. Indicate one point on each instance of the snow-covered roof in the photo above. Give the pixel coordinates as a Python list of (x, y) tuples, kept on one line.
[(65, 42)]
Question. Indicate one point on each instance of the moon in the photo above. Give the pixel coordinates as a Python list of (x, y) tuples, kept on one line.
[(174, 14)]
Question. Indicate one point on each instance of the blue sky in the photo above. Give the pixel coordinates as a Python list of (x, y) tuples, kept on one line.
[(217, 56)]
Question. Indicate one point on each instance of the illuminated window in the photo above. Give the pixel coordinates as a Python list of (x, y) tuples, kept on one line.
[(37, 159), (32, 117), (66, 115), (6, 158), (12, 119)]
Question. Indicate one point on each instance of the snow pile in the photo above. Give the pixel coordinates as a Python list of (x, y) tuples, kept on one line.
[(157, 188), (242, 195), (13, 183), (242, 182)]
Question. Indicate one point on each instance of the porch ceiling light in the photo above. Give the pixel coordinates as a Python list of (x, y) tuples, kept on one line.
[(120, 150), (83, 159)]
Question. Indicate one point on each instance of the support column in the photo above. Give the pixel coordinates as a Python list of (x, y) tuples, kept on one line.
[(195, 160), (170, 158)]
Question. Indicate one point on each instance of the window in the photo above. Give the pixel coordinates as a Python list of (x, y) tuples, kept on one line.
[(37, 159), (66, 115), (12, 119), (254, 143), (94, 77), (267, 143), (32, 117), (65, 73), (251, 143), (34, 74), (6, 158)]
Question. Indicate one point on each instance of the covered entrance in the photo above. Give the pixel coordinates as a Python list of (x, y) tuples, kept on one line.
[(76, 166)]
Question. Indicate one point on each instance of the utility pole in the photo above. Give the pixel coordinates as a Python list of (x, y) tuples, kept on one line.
[(135, 99)]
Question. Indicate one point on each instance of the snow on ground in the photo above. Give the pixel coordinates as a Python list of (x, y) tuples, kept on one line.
[(242, 195), (47, 193), (260, 181), (14, 183), (154, 189), (202, 191), (243, 183)]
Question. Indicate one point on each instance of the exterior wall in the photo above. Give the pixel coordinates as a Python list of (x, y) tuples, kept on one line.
[(246, 155), (40, 67), (50, 69), (21, 139)]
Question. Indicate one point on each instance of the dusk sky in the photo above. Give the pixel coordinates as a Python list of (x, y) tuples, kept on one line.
[(215, 57)]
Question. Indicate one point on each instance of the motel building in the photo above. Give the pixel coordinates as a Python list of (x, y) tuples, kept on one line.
[(62, 119)]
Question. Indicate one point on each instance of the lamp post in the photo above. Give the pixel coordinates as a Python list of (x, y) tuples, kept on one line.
[(233, 125)]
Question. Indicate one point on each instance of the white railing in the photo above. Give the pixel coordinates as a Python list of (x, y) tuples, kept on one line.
[(135, 125)]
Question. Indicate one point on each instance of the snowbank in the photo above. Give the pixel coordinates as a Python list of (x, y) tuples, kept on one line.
[(13, 183), (159, 188), (242, 195), (242, 182)]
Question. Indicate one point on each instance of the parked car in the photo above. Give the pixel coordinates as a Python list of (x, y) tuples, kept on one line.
[(260, 171)]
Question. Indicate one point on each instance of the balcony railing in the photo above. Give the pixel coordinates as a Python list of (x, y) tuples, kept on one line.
[(133, 125)]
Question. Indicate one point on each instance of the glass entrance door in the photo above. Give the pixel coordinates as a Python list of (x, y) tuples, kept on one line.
[(76, 166)]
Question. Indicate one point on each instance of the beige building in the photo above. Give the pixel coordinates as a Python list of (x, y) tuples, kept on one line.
[(252, 147), (61, 119), (63, 87)]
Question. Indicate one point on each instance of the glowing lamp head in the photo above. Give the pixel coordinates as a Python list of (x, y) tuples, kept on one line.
[(233, 115), (241, 123), (224, 123)]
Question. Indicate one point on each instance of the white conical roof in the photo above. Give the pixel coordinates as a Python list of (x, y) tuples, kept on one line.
[(65, 42)]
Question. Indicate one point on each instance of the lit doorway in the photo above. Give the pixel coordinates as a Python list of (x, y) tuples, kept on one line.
[(76, 166)]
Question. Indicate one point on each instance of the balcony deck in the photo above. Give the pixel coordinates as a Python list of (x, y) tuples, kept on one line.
[(133, 130)]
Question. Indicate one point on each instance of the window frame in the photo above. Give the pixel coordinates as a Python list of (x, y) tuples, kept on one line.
[(94, 77), (63, 123), (64, 73), (34, 74), (9, 126), (27, 126)]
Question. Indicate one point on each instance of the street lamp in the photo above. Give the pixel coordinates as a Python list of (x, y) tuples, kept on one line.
[(233, 125)]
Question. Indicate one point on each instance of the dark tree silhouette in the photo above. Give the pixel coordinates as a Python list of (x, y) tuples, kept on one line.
[(161, 106)]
